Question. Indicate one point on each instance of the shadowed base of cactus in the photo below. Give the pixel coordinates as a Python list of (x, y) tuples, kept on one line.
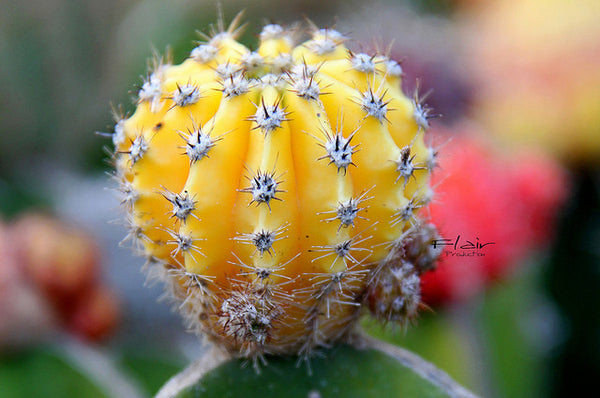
[(367, 368)]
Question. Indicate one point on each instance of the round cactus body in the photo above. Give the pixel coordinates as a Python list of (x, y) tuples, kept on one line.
[(275, 189)]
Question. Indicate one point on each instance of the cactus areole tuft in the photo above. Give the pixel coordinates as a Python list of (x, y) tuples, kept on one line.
[(278, 192)]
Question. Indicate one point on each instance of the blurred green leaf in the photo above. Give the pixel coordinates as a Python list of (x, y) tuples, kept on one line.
[(506, 315), (42, 374), (149, 369)]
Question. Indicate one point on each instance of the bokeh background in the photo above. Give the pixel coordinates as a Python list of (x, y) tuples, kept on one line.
[(517, 85)]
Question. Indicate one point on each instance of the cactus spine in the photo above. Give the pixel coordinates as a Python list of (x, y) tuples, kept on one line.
[(275, 189)]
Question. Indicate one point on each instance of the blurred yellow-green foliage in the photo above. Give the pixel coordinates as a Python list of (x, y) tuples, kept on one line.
[(536, 64)]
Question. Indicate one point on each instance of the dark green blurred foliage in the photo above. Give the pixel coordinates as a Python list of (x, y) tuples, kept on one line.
[(53, 61), (42, 374), (16, 197), (573, 281)]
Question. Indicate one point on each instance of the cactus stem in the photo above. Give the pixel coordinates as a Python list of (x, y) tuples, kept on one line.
[(183, 114)]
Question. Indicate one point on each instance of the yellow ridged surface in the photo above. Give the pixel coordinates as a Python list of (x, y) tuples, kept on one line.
[(289, 258)]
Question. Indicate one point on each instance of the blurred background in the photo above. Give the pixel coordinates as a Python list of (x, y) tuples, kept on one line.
[(517, 85)]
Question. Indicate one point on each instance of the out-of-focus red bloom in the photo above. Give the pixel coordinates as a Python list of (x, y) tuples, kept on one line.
[(25, 316), (95, 314), (484, 196), (58, 266), (62, 260)]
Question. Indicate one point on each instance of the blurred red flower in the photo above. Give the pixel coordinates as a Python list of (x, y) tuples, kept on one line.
[(492, 209), (49, 281)]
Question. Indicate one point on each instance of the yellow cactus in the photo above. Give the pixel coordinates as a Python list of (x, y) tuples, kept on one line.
[(272, 187)]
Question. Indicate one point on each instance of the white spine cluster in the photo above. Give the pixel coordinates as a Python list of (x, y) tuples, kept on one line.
[(204, 53), (118, 136), (235, 85), (362, 62), (374, 105), (151, 89), (183, 204), (263, 188), (269, 117), (198, 145), (339, 151), (393, 68), (186, 94), (138, 149)]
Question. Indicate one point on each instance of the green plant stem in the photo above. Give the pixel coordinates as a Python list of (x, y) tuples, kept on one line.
[(193, 374)]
